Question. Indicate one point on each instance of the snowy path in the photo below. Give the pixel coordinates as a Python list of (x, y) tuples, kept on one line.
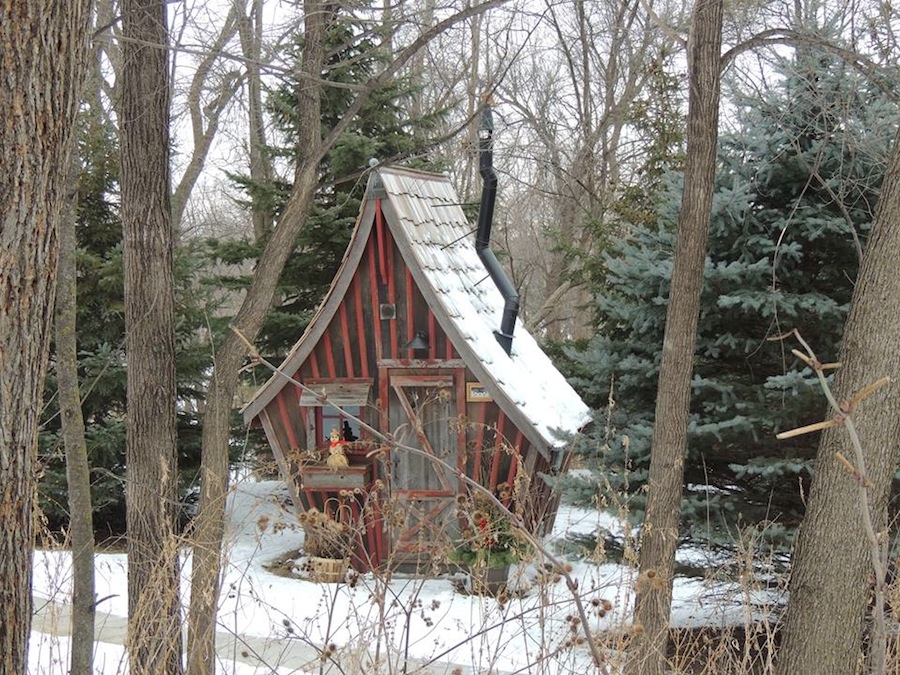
[(264, 655)]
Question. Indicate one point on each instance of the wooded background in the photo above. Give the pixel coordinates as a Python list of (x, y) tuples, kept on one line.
[(217, 160)]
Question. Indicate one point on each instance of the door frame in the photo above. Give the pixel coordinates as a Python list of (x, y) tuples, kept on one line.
[(455, 377)]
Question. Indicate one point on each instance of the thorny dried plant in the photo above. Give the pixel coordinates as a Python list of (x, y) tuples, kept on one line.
[(325, 537)]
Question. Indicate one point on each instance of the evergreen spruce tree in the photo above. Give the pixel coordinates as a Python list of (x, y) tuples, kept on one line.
[(797, 188), (101, 335), (380, 130)]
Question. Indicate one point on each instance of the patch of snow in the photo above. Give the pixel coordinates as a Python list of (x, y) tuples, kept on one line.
[(398, 617)]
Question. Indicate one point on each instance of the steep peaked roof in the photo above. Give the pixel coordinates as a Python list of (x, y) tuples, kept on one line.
[(437, 244)]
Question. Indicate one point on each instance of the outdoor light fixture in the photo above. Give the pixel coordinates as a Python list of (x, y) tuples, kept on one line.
[(419, 342)]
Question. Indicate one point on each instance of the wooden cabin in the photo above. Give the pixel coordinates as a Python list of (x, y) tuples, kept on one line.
[(405, 342)]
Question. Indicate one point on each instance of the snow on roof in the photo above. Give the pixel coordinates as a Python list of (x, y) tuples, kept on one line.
[(429, 226)]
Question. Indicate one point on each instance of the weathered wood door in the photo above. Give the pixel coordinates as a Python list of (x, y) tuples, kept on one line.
[(425, 413)]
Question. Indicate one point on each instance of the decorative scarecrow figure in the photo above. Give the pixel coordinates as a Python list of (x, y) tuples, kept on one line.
[(336, 457)]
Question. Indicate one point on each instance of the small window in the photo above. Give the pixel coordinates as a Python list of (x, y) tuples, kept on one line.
[(333, 418), (329, 398)]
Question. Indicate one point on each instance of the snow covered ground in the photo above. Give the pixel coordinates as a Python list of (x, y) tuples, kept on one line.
[(274, 624)]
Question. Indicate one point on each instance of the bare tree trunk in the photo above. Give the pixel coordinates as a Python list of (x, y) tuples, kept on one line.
[(43, 47), (250, 29), (78, 476), (659, 534), (831, 570), (154, 604), (209, 524)]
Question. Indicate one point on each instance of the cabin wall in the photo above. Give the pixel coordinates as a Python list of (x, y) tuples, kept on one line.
[(382, 309), (496, 447), (500, 457)]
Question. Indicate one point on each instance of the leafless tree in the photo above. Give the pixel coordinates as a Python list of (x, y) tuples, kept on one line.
[(211, 89), (251, 33), (659, 532), (570, 96), (39, 92), (206, 74), (78, 476), (154, 604)]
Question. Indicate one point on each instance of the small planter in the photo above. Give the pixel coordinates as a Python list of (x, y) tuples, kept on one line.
[(326, 478), (327, 570), (485, 580)]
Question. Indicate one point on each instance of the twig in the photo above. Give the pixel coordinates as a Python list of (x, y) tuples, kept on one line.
[(808, 429)]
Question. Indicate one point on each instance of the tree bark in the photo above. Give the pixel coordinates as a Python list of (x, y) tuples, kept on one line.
[(209, 524), (154, 603), (831, 569), (43, 49), (78, 476), (659, 534)]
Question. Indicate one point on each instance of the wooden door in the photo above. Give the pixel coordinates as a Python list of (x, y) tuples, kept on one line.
[(425, 413)]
